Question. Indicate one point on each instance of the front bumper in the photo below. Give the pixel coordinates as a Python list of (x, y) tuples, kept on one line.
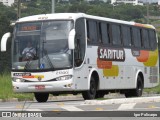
[(55, 86)]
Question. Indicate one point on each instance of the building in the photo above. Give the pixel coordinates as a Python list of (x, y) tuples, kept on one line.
[(134, 2), (7, 2)]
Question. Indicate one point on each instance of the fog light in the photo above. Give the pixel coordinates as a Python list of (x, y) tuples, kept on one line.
[(18, 80), (14, 87)]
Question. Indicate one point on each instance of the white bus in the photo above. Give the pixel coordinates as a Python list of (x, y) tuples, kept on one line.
[(80, 53)]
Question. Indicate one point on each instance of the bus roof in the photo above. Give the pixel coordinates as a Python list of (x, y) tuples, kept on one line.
[(74, 16)]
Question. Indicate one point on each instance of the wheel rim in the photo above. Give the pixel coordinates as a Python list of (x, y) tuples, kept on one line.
[(92, 88), (139, 88)]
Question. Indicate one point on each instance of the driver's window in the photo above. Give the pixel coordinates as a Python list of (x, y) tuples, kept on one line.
[(80, 45)]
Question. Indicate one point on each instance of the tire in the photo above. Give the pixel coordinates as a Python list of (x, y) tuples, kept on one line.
[(41, 97), (100, 94), (139, 89), (91, 93), (128, 94), (55, 94), (136, 92)]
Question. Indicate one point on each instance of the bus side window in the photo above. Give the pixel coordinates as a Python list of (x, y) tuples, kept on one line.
[(152, 38), (99, 32), (116, 35), (105, 33), (136, 37), (145, 37), (92, 31), (88, 39), (141, 38), (126, 35)]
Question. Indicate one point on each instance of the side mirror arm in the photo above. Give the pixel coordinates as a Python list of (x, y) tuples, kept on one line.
[(4, 40)]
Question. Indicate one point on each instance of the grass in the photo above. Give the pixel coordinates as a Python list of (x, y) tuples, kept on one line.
[(155, 90), (6, 91), (101, 98)]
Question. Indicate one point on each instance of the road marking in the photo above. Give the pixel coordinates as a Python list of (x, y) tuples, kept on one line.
[(146, 108), (60, 104), (99, 109), (33, 110), (54, 105), (126, 106), (56, 110), (19, 106), (151, 106), (71, 108)]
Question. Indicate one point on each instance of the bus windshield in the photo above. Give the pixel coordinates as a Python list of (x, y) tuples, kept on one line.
[(41, 45)]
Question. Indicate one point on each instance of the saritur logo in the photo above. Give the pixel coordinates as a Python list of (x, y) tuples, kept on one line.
[(108, 54)]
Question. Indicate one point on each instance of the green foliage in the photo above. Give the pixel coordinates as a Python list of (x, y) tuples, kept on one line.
[(124, 12), (155, 90), (6, 89), (7, 14)]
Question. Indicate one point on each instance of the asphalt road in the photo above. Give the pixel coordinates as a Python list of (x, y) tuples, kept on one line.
[(77, 109)]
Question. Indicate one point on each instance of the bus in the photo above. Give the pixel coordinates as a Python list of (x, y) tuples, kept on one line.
[(79, 53)]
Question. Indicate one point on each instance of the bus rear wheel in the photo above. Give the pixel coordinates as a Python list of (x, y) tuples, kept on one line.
[(91, 93), (136, 92), (41, 97), (139, 89)]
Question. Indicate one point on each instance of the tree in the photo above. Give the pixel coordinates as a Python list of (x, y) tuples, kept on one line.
[(6, 15)]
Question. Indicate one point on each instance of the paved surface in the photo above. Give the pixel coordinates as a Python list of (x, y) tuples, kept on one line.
[(76, 105), (70, 104)]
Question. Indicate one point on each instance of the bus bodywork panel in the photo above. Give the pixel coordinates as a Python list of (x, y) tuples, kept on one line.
[(120, 74), (60, 80)]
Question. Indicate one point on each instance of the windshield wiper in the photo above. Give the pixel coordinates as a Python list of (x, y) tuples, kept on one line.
[(27, 65), (48, 59)]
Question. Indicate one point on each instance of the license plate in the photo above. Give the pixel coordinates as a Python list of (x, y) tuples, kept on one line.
[(39, 87)]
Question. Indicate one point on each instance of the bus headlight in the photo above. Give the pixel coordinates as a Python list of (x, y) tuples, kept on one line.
[(67, 77), (18, 80)]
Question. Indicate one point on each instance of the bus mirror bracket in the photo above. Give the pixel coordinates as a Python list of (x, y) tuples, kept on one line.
[(4, 40), (71, 39)]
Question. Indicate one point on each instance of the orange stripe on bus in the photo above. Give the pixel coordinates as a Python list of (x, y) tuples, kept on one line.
[(28, 76), (104, 64), (144, 55), (140, 25)]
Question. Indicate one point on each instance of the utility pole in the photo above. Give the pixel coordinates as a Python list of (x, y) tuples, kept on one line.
[(53, 6), (19, 9), (147, 12)]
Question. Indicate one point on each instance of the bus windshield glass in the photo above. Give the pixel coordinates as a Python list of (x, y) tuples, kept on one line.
[(41, 45)]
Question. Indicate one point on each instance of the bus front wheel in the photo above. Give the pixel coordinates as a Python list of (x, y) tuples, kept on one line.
[(91, 93), (41, 97), (100, 94)]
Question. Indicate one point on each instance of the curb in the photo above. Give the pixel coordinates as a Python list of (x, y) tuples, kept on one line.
[(67, 97), (123, 100), (9, 100)]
